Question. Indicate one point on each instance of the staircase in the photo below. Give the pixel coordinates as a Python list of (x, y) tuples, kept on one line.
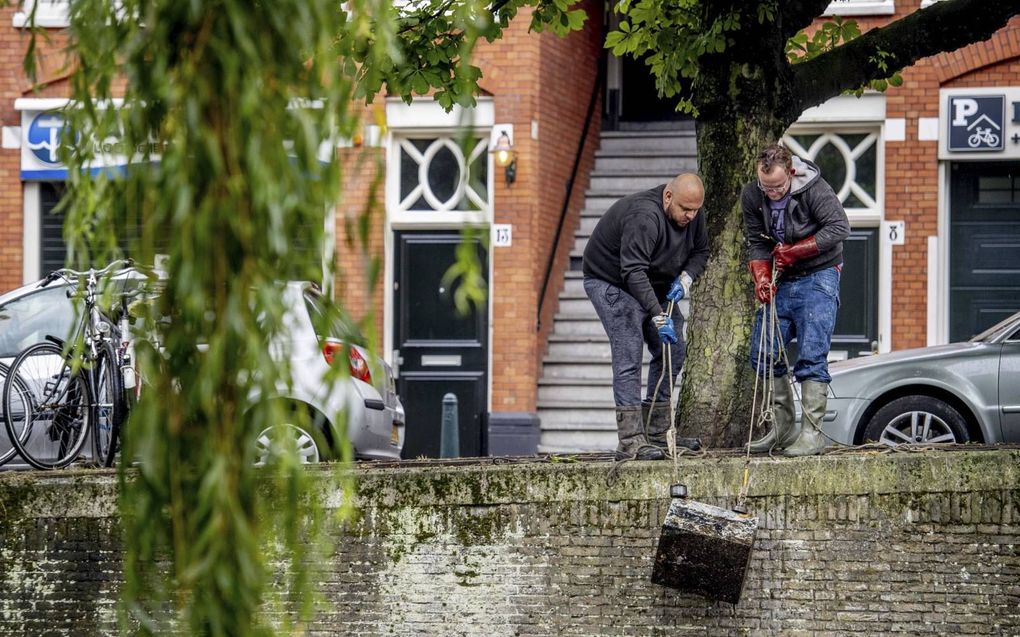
[(575, 392)]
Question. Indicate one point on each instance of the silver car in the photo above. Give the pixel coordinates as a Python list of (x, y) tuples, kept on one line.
[(374, 414), (944, 394)]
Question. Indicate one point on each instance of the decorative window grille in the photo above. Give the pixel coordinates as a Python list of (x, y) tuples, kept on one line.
[(849, 162), (440, 175)]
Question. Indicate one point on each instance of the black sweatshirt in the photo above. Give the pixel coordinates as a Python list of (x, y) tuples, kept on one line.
[(637, 248)]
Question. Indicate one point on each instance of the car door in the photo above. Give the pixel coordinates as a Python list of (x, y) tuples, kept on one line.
[(1009, 387)]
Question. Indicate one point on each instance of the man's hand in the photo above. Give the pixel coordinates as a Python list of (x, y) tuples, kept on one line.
[(788, 254), (761, 271), (681, 288), (664, 324)]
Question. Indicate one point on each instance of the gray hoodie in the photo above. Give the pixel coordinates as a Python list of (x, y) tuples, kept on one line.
[(814, 209)]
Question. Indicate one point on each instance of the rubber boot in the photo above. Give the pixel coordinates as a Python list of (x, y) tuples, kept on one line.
[(659, 426), (631, 431), (814, 398), (785, 428)]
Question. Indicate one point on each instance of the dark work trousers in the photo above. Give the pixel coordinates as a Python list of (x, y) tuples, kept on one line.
[(630, 328)]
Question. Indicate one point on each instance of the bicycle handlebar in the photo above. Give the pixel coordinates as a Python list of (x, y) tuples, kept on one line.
[(70, 276)]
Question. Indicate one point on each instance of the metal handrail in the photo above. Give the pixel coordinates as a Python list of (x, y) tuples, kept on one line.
[(570, 187)]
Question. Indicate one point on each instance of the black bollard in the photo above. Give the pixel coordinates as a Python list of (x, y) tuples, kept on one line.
[(449, 436), (704, 549)]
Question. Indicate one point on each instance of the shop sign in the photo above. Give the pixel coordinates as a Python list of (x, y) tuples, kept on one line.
[(979, 123), (975, 122), (45, 136)]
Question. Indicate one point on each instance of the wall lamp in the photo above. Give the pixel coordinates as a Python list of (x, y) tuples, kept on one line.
[(506, 157)]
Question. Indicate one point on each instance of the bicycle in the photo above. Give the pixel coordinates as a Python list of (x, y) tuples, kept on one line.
[(57, 393)]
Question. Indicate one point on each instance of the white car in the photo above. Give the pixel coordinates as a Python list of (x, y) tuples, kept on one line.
[(374, 414)]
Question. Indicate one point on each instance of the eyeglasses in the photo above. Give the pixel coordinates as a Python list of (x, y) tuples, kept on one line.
[(774, 190)]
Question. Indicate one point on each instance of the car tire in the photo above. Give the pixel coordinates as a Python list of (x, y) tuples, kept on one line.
[(917, 420), (307, 444)]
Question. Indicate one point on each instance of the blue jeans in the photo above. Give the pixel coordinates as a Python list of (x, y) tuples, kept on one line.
[(806, 310), (630, 329)]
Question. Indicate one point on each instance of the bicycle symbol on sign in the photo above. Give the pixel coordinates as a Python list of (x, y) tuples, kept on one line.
[(983, 136)]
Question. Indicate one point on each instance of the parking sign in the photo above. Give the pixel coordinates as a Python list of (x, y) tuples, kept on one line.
[(975, 122)]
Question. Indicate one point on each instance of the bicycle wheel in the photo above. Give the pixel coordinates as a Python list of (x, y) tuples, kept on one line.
[(7, 449), (47, 408), (111, 408)]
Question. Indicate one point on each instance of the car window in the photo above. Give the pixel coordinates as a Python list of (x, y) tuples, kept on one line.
[(33, 317), (324, 313)]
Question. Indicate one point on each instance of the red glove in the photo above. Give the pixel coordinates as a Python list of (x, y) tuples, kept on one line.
[(788, 254), (761, 272)]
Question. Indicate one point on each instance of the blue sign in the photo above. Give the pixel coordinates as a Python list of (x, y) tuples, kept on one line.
[(44, 137), (975, 122)]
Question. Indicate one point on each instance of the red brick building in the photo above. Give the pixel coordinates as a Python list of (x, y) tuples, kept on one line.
[(929, 173)]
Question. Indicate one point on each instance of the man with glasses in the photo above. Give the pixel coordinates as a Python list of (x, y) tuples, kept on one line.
[(646, 251), (795, 226)]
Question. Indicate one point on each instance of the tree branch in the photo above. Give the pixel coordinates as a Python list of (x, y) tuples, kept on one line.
[(798, 15), (944, 26)]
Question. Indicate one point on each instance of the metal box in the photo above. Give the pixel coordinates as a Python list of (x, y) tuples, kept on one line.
[(704, 550)]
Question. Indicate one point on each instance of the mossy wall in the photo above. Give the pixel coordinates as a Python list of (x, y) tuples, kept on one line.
[(922, 543)]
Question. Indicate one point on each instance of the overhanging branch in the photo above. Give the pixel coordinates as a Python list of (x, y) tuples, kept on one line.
[(944, 26), (798, 14)]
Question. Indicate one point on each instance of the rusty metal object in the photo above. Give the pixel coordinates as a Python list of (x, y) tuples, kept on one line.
[(704, 549)]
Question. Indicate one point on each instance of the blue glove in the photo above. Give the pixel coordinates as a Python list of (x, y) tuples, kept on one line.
[(664, 324), (681, 288)]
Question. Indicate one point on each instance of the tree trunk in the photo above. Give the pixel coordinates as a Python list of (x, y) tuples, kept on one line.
[(715, 401)]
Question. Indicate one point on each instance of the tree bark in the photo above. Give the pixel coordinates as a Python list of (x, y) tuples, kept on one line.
[(715, 402)]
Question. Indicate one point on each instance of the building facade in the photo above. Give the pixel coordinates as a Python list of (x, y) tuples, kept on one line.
[(929, 173)]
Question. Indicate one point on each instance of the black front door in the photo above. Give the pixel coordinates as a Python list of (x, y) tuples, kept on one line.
[(984, 246), (856, 332), (440, 350)]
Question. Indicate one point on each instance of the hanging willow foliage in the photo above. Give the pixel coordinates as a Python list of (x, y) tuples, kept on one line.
[(228, 112)]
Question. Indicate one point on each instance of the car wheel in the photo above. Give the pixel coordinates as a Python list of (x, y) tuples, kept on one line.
[(917, 420), (304, 442)]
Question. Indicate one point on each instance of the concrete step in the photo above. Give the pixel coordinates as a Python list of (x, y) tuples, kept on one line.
[(639, 162), (600, 417), (578, 327), (558, 394), (579, 350), (679, 141), (588, 368), (627, 183), (557, 441), (576, 309)]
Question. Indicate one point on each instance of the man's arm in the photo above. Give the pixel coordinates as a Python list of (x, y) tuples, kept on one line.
[(636, 244), (758, 241), (826, 208)]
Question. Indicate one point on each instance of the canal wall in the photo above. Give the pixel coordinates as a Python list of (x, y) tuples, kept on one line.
[(923, 543)]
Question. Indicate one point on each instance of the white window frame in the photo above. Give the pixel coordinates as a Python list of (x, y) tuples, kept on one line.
[(51, 14), (860, 7)]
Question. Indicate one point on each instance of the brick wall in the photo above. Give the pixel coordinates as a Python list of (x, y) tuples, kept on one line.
[(914, 543)]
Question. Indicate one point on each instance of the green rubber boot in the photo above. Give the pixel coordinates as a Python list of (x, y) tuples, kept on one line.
[(814, 397), (785, 429)]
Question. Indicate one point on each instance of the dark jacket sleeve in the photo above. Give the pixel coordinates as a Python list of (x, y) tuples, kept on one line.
[(695, 264), (832, 219), (759, 246), (637, 242)]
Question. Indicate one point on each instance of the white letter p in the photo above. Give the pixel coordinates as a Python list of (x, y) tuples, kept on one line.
[(962, 109)]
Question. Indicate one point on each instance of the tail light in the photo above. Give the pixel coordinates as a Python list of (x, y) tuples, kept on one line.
[(358, 364)]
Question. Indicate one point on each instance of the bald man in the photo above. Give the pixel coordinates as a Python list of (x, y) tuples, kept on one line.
[(647, 248)]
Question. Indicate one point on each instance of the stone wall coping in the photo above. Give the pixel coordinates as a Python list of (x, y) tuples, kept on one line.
[(48, 495)]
